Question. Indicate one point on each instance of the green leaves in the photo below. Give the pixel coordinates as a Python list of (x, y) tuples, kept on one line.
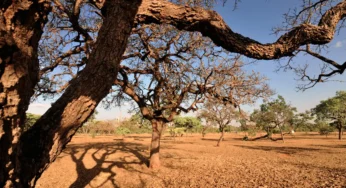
[(30, 120), (273, 114), (332, 109), (187, 122)]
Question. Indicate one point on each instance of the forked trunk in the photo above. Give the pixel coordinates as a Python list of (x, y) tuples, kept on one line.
[(221, 137), (41, 144), (21, 25), (155, 144)]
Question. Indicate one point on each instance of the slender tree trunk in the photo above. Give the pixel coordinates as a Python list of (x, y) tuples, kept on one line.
[(204, 131), (155, 144), (40, 145), (21, 25), (221, 137), (340, 132), (282, 134)]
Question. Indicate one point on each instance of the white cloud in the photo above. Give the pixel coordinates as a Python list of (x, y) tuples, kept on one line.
[(38, 108), (339, 44), (40, 105)]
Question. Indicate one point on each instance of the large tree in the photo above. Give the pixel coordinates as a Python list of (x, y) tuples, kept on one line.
[(26, 156), (222, 114), (302, 121), (333, 110), (166, 72), (21, 24), (273, 114)]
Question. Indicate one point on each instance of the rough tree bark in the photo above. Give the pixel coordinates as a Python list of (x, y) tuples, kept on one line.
[(221, 137), (21, 27), (158, 127), (41, 144)]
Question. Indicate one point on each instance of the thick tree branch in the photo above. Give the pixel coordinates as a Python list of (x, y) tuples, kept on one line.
[(211, 25)]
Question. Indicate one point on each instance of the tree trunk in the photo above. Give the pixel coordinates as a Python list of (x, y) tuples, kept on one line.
[(282, 134), (260, 137), (155, 144), (340, 132), (41, 144), (21, 25), (221, 137)]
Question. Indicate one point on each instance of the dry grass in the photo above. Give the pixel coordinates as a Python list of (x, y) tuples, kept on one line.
[(302, 161)]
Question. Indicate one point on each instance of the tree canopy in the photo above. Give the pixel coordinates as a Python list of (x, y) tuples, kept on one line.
[(221, 114), (333, 110), (274, 114)]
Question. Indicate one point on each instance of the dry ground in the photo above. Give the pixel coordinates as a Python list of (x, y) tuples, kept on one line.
[(305, 160)]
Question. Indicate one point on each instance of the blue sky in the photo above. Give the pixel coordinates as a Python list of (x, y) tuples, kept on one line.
[(255, 19)]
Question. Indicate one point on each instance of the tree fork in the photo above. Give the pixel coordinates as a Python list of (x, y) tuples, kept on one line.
[(221, 137)]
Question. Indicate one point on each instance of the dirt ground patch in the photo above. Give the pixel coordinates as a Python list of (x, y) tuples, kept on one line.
[(305, 160)]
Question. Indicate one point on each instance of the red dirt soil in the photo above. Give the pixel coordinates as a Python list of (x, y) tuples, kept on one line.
[(304, 160)]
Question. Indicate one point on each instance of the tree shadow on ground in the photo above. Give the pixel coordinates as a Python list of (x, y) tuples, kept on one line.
[(282, 150), (331, 146), (100, 154)]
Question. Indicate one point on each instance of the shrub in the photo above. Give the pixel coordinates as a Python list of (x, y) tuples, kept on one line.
[(30, 120), (252, 132), (93, 134), (122, 131), (325, 130), (245, 138), (177, 131)]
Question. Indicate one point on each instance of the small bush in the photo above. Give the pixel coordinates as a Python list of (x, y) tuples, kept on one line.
[(177, 131), (122, 131), (252, 132), (93, 134)]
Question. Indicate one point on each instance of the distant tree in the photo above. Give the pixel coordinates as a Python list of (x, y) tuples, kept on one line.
[(166, 72), (222, 114), (136, 124), (30, 120), (93, 116), (189, 123), (302, 121), (206, 126), (272, 115), (246, 125), (87, 126), (333, 110), (138, 120), (323, 127)]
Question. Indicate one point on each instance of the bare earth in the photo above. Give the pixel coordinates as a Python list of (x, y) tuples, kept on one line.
[(305, 160)]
